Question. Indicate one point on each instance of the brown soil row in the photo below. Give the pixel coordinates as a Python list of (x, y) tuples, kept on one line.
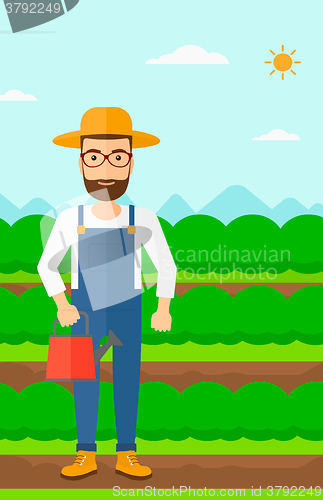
[(180, 375), (19, 288), (195, 471), (286, 289)]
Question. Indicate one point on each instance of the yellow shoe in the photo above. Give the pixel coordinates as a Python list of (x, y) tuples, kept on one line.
[(84, 465), (128, 465)]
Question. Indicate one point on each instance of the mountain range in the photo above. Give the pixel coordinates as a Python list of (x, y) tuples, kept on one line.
[(234, 202), (228, 205)]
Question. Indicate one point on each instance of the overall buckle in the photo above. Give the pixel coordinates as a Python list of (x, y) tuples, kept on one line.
[(131, 229), (80, 229)]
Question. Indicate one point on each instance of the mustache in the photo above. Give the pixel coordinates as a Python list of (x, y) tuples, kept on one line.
[(106, 180)]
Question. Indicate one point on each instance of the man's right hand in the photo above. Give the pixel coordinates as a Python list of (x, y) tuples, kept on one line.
[(68, 315)]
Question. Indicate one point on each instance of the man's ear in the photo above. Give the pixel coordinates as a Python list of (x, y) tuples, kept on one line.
[(81, 165), (131, 166)]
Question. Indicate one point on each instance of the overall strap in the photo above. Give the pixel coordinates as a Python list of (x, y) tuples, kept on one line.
[(123, 243), (80, 227), (131, 227)]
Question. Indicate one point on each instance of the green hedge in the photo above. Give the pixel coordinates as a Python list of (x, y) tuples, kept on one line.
[(247, 242), (257, 315), (204, 315), (24, 244), (204, 411)]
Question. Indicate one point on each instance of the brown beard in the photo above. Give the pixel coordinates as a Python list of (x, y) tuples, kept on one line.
[(106, 193)]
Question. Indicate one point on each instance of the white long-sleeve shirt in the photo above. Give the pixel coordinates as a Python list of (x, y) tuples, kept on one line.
[(148, 233)]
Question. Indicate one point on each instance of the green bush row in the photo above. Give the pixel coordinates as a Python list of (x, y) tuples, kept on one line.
[(199, 244), (34, 231), (204, 411), (203, 315)]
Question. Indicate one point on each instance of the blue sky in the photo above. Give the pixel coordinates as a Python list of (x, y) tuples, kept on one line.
[(205, 115)]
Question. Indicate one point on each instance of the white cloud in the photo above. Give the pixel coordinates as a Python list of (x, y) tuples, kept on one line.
[(17, 95), (190, 54), (277, 135)]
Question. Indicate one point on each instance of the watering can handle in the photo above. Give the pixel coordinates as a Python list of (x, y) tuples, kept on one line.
[(87, 323)]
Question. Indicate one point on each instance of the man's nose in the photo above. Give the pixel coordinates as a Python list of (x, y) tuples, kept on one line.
[(106, 166)]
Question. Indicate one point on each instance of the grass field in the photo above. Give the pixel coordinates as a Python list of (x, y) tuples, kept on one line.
[(22, 277), (187, 352), (189, 446), (185, 277)]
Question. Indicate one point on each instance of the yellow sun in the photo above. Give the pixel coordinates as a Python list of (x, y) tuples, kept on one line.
[(283, 62)]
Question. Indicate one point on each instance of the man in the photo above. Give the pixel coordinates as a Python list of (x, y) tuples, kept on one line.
[(106, 241)]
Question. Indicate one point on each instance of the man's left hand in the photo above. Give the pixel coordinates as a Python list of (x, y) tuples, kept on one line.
[(161, 321)]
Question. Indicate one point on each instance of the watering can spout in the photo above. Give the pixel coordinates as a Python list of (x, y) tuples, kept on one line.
[(100, 351)]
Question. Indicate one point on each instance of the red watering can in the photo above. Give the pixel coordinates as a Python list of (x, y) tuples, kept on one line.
[(71, 357)]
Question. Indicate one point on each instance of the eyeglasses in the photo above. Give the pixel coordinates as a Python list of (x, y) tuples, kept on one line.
[(118, 159)]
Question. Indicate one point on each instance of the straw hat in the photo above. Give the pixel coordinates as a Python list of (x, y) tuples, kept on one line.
[(106, 121)]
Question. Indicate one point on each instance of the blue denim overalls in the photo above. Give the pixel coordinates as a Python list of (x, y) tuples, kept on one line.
[(106, 292)]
